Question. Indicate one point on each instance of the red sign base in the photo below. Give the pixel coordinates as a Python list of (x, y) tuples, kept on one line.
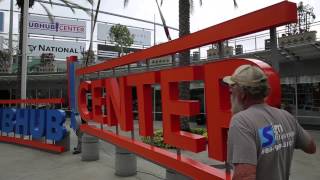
[(183, 165), (33, 144)]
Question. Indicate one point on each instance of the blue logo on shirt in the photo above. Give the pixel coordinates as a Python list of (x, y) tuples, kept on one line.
[(266, 135)]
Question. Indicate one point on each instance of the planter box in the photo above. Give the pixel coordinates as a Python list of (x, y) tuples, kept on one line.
[(214, 53)]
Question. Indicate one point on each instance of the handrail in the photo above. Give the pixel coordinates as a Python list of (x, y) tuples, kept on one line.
[(243, 25)]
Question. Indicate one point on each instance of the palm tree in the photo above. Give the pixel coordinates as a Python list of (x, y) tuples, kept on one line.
[(94, 25), (94, 21), (185, 8), (184, 57), (20, 4)]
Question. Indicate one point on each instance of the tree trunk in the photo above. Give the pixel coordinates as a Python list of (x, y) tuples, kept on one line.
[(121, 48), (184, 29), (184, 57)]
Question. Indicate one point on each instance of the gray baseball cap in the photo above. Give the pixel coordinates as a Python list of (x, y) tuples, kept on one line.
[(246, 75)]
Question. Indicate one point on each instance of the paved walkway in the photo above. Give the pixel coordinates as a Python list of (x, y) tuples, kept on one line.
[(20, 163)]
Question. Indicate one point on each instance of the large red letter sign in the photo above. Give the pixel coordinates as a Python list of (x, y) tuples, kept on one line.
[(218, 101), (173, 108), (143, 83), (98, 101)]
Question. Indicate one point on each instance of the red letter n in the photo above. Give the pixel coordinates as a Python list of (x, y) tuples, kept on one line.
[(119, 103)]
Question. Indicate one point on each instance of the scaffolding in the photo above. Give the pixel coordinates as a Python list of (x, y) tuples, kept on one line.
[(305, 18)]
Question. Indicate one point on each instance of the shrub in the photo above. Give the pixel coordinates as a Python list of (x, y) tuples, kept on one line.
[(159, 142), (199, 131)]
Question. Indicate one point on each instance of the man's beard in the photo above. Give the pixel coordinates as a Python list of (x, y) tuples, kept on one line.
[(236, 105)]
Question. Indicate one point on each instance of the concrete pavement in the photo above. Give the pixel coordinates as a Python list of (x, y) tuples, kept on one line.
[(21, 163)]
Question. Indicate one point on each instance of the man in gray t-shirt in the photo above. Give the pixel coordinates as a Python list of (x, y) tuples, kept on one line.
[(261, 138)]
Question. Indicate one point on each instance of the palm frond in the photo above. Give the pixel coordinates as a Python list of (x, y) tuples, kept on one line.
[(67, 3), (125, 3), (74, 6), (50, 1), (96, 15), (79, 7), (165, 27), (191, 6), (90, 1), (50, 16), (94, 25), (235, 4)]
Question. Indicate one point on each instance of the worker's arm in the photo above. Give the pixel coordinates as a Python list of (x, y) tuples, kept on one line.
[(304, 140), (244, 172), (310, 146), (242, 149)]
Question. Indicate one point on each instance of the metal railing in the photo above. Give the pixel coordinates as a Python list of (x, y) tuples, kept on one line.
[(251, 43)]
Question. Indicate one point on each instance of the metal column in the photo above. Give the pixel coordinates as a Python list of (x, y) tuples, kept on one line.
[(274, 48), (24, 62)]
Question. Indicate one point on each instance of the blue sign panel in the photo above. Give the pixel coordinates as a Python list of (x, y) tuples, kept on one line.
[(35, 122), (1, 21)]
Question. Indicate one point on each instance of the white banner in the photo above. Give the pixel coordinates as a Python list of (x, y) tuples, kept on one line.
[(61, 49), (161, 60), (141, 37), (59, 27)]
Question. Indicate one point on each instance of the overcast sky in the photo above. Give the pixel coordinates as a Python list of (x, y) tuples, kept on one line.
[(210, 13)]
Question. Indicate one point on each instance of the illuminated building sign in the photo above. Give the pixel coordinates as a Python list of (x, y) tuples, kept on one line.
[(58, 27), (61, 49)]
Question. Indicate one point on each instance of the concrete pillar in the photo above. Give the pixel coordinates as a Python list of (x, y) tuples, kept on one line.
[(24, 59), (65, 142), (90, 148), (10, 36), (274, 49), (220, 50), (174, 175), (125, 163)]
